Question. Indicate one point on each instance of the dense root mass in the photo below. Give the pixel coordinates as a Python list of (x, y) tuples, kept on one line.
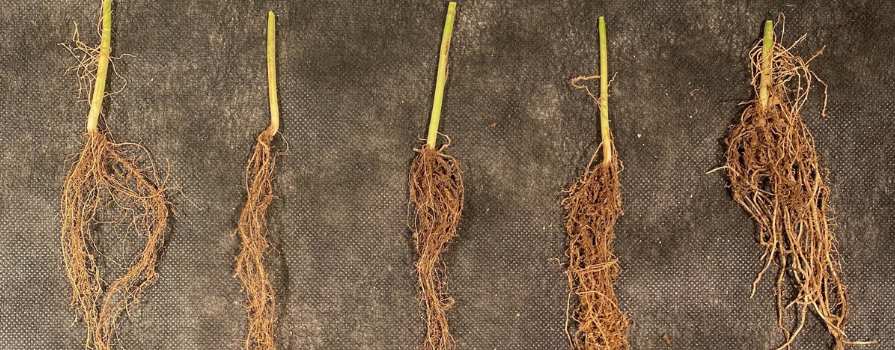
[(775, 174), (592, 206), (109, 173), (250, 265), (436, 190)]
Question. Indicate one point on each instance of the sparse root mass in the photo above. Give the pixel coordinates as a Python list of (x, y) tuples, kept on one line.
[(250, 265), (436, 190), (775, 175), (87, 60), (105, 173), (593, 205)]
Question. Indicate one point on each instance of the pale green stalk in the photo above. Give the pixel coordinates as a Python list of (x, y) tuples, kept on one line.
[(102, 69), (441, 78)]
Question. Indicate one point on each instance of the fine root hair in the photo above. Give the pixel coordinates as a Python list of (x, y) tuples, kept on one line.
[(436, 191), (251, 268), (86, 59), (123, 176)]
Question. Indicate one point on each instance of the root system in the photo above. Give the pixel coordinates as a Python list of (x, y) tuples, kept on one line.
[(775, 175), (252, 229), (436, 191), (104, 173), (250, 266), (592, 206), (118, 174)]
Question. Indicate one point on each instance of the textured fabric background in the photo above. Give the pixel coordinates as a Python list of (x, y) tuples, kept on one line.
[(356, 81)]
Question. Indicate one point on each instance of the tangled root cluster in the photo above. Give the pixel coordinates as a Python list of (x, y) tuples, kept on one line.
[(252, 230), (110, 173), (436, 191), (775, 175), (593, 204)]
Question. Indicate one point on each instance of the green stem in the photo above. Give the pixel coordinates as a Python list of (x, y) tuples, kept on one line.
[(767, 59), (441, 78), (272, 72), (604, 95), (102, 69)]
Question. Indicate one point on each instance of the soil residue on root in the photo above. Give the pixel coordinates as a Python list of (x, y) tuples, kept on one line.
[(121, 175), (592, 205), (775, 175), (436, 191), (250, 263)]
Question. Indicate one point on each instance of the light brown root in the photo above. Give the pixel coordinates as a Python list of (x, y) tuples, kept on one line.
[(250, 263), (775, 175), (436, 190), (105, 173), (593, 204), (84, 69)]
